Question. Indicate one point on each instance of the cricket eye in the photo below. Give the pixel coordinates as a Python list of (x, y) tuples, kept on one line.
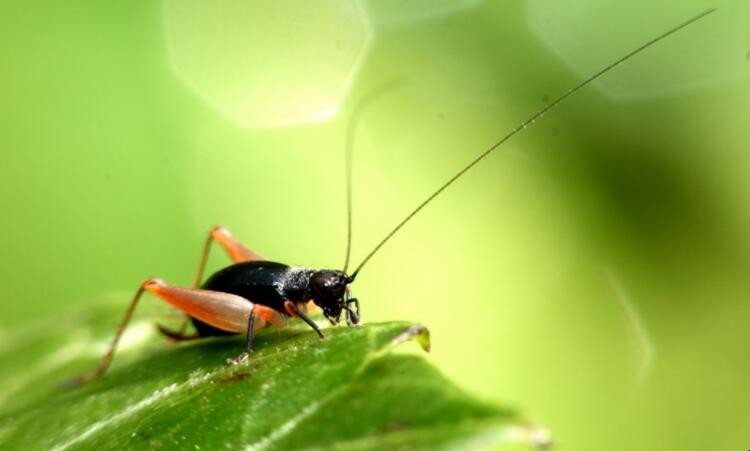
[(323, 284)]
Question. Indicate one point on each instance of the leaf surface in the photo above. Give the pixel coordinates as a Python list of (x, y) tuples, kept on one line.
[(348, 391)]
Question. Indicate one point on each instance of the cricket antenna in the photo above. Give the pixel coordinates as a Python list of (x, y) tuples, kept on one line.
[(351, 131), (525, 124)]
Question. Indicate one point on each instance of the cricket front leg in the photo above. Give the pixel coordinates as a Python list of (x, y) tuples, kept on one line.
[(293, 310), (352, 316), (269, 316)]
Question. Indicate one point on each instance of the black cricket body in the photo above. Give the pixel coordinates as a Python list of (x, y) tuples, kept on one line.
[(272, 284), (254, 292)]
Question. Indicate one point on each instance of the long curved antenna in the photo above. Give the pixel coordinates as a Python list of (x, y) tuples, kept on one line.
[(351, 132), (525, 124)]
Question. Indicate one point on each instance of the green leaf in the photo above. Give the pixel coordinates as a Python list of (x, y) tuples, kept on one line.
[(346, 392)]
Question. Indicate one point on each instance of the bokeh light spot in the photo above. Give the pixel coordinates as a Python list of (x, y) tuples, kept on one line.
[(588, 34), (401, 12), (267, 64)]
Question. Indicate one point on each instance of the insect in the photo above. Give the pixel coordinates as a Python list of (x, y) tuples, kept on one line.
[(253, 293)]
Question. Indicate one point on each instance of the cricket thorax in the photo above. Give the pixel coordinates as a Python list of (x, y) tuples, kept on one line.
[(295, 284), (327, 288)]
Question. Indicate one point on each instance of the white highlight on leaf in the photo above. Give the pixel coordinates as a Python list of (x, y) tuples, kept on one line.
[(129, 411), (3, 339), (134, 337), (78, 346), (533, 435), (648, 351), (160, 395), (292, 423), (505, 434)]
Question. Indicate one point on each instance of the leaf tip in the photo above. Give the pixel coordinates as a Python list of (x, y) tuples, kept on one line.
[(416, 332), (536, 436)]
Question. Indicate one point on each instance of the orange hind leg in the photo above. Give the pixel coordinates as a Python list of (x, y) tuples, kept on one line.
[(237, 252), (224, 311)]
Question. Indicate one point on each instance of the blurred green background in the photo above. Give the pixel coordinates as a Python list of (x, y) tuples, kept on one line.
[(593, 272)]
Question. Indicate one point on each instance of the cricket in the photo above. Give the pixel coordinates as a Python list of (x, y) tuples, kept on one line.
[(253, 293)]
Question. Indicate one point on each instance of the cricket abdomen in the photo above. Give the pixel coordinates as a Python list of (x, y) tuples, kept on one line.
[(260, 282)]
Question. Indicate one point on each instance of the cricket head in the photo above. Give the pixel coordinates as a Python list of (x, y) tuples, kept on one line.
[(330, 291)]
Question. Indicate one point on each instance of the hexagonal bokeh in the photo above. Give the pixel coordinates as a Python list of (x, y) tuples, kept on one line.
[(588, 34), (268, 63), (404, 12)]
